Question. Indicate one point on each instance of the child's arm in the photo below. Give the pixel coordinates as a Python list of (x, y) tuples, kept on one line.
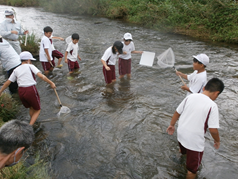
[(65, 57), (105, 65), (178, 73), (215, 135), (58, 38), (140, 52), (43, 77), (79, 58), (5, 85), (170, 130), (47, 55)]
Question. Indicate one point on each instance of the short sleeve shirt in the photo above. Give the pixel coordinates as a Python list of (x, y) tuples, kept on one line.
[(23, 75), (109, 55), (128, 49), (45, 44), (197, 81), (72, 50), (196, 110)]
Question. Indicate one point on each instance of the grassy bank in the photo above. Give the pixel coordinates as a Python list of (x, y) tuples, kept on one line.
[(23, 3), (215, 19)]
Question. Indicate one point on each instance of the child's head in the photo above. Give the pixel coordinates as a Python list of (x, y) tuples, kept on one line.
[(26, 56), (75, 38), (48, 31), (201, 59), (214, 85), (127, 38), (117, 47)]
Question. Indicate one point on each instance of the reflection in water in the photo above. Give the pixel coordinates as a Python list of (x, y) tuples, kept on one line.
[(121, 134)]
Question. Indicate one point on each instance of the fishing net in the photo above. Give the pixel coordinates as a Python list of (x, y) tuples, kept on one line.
[(166, 59), (68, 39)]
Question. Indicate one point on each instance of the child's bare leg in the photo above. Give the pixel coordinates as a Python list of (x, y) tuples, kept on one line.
[(34, 115), (190, 175), (59, 63), (128, 76), (121, 76), (46, 73)]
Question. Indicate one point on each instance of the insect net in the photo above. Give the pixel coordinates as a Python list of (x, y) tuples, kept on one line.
[(166, 59)]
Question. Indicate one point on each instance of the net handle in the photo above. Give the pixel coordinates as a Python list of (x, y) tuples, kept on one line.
[(180, 76)]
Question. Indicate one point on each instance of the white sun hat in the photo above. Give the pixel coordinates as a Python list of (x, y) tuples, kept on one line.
[(128, 36), (26, 56)]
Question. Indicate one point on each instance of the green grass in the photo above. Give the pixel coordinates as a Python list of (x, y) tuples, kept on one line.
[(38, 170), (31, 45), (8, 107)]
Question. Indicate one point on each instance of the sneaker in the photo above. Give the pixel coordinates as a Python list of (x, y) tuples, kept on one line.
[(59, 66)]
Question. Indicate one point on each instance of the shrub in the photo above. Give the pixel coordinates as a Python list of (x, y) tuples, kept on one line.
[(20, 171), (32, 44), (8, 107)]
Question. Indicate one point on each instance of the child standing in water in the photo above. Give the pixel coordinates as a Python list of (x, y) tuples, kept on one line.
[(198, 79), (109, 60), (71, 54), (46, 51), (124, 63)]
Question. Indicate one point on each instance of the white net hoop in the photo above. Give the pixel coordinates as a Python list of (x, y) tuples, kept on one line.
[(166, 59), (68, 39)]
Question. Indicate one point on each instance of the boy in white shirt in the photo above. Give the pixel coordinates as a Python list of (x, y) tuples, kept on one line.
[(46, 51), (196, 113), (71, 54), (124, 62), (198, 79), (24, 75)]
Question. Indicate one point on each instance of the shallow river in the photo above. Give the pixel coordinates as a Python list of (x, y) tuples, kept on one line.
[(123, 135)]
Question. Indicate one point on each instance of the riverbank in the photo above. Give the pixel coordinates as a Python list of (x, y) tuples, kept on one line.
[(214, 20)]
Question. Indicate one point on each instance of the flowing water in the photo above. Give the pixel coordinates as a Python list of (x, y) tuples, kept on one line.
[(122, 134)]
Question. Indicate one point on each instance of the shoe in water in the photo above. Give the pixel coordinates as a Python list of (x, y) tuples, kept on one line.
[(59, 66)]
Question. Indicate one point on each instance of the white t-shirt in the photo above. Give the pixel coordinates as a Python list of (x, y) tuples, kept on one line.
[(194, 111), (72, 50), (9, 57), (197, 81), (23, 75), (128, 49), (108, 54), (45, 44)]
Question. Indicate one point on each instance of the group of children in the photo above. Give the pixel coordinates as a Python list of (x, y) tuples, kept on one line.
[(123, 51), (197, 111), (47, 52)]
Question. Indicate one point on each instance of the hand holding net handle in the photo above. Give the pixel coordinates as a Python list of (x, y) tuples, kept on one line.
[(180, 76)]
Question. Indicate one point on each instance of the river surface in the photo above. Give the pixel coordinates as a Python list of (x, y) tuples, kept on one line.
[(122, 134)]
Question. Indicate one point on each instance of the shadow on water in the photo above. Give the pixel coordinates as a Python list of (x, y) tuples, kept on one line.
[(121, 134)]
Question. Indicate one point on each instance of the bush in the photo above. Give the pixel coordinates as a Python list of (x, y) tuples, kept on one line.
[(36, 171), (32, 44), (8, 107)]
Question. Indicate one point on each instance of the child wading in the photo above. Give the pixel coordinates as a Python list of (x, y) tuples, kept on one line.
[(198, 79), (71, 54), (109, 60), (25, 77), (124, 62), (46, 51), (196, 113)]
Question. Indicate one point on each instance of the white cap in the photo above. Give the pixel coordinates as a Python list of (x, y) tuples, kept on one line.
[(8, 12), (26, 56), (203, 58), (128, 36)]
